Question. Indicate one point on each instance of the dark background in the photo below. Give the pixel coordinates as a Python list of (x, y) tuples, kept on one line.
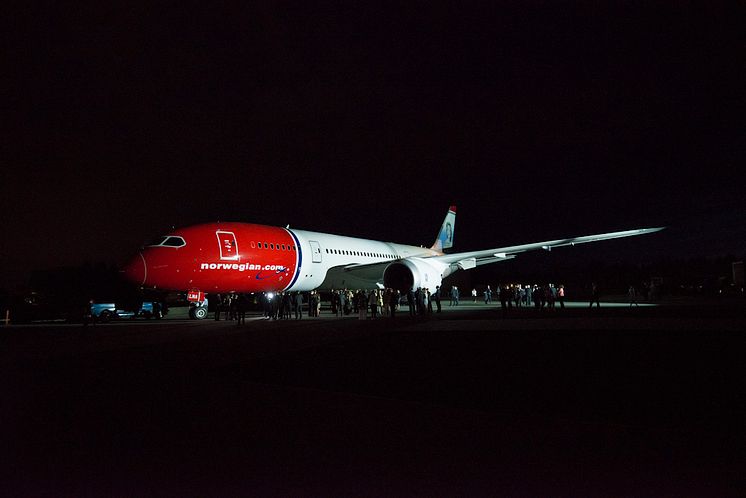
[(539, 120)]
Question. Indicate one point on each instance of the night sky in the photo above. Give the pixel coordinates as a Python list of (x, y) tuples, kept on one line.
[(539, 120)]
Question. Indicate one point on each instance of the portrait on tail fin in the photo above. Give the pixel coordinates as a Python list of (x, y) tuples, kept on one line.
[(444, 240)]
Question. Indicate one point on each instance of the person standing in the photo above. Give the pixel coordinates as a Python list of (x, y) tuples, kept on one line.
[(373, 302), (241, 305), (232, 307), (595, 295), (267, 304), (436, 298), (276, 305), (342, 302), (333, 303), (313, 303), (298, 305), (362, 305), (218, 304), (536, 296), (561, 296), (504, 299), (632, 295), (474, 296), (410, 302), (88, 314)]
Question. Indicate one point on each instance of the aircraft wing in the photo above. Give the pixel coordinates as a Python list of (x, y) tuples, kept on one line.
[(472, 259), (467, 260)]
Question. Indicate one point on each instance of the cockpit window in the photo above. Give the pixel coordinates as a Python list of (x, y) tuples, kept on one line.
[(169, 241), (156, 242), (174, 241)]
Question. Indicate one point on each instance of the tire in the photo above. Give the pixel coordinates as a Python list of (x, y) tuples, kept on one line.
[(104, 316), (200, 312)]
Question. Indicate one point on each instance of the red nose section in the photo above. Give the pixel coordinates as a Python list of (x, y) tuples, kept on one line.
[(136, 270)]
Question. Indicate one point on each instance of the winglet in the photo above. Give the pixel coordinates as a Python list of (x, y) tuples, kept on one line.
[(444, 240)]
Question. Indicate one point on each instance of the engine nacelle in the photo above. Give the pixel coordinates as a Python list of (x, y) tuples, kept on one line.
[(412, 274)]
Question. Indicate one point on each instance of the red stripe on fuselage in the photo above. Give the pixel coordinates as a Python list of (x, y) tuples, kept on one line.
[(260, 258)]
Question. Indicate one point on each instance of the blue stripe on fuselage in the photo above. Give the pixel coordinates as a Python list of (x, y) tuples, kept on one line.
[(300, 259)]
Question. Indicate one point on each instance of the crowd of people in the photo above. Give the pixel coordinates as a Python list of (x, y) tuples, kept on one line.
[(374, 303), (540, 296), (377, 303)]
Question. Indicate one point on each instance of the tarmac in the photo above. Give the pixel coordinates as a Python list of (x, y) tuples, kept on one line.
[(609, 401)]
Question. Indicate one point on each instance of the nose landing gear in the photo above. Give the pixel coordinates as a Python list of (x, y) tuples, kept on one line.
[(197, 305), (198, 312)]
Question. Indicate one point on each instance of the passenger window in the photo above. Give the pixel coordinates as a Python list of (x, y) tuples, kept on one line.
[(253, 245)]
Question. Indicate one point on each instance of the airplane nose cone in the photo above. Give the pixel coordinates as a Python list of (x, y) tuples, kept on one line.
[(136, 270)]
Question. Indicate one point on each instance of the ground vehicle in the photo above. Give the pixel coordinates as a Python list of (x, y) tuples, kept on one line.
[(104, 312)]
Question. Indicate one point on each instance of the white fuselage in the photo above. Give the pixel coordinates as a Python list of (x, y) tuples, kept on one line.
[(322, 252)]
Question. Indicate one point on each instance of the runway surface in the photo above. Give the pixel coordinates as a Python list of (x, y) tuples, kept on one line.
[(603, 402)]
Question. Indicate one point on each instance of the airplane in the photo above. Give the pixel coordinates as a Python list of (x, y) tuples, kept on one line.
[(244, 257)]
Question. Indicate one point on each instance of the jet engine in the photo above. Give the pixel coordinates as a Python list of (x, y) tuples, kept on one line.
[(412, 273)]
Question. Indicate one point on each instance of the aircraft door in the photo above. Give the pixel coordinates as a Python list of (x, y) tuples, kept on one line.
[(315, 251), (228, 245)]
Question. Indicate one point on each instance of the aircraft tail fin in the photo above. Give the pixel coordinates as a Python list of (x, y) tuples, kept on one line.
[(445, 236)]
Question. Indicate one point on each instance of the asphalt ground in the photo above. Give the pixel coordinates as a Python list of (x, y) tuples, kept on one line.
[(647, 401)]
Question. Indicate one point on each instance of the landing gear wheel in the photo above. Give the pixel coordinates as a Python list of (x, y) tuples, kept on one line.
[(198, 313)]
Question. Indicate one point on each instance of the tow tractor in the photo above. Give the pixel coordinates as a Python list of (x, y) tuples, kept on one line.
[(197, 304)]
